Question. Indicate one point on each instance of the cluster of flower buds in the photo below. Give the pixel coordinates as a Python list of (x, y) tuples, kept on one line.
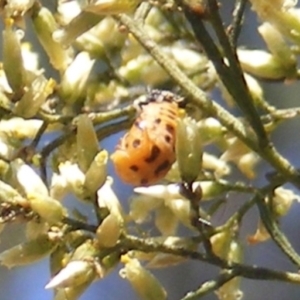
[(81, 269), (280, 22), (142, 281), (169, 203), (111, 228), (84, 170)]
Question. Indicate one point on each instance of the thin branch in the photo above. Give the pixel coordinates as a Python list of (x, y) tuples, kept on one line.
[(273, 229), (142, 12), (78, 225), (251, 272), (39, 135), (212, 285), (195, 217), (102, 117), (236, 26), (226, 64)]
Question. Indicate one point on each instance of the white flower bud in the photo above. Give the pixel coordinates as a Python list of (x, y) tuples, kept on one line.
[(103, 38), (261, 64), (279, 48), (143, 69), (72, 293), (30, 58), (6, 150), (242, 156), (19, 128), (108, 199), (210, 129), (28, 252), (5, 89), (44, 24), (81, 22), (220, 167), (18, 7), (169, 191), (74, 80), (73, 176), (109, 231), (281, 14), (142, 281), (188, 149), (12, 58), (59, 187), (283, 200), (246, 163), (34, 97), (46, 207), (165, 221), (174, 204), (188, 59), (10, 195), (141, 206), (181, 208), (96, 175), (36, 228), (87, 142), (75, 273), (28, 179), (68, 10)]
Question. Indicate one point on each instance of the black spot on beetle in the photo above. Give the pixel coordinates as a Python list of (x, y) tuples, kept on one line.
[(168, 139), (136, 143), (157, 121), (162, 167), (155, 152), (170, 128), (134, 168)]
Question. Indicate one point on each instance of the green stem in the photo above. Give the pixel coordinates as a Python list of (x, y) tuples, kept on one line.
[(251, 272), (227, 65), (212, 285), (236, 26), (277, 235)]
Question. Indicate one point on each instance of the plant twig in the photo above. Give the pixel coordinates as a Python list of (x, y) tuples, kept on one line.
[(235, 27), (212, 285), (78, 225), (226, 64), (39, 135), (273, 229), (251, 272)]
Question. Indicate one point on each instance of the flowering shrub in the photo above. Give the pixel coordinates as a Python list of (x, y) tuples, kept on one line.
[(107, 55)]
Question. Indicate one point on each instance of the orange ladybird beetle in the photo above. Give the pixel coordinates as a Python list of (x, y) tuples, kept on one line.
[(146, 153)]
